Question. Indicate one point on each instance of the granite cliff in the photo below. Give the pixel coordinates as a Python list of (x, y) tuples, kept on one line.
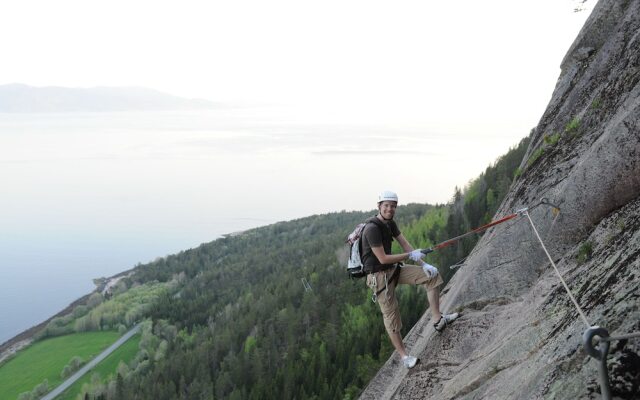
[(520, 336)]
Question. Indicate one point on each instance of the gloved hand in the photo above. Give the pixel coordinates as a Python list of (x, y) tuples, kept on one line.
[(430, 270), (416, 255)]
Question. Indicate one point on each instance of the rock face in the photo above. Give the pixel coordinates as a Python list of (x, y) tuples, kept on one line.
[(520, 336)]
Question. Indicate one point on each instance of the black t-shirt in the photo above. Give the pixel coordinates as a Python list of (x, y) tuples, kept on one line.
[(377, 233)]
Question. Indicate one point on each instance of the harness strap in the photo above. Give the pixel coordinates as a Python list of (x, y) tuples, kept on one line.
[(381, 267), (394, 277)]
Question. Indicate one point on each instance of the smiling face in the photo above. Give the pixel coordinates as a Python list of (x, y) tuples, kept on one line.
[(387, 209)]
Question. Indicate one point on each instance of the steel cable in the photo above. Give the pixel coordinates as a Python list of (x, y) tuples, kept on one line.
[(584, 318)]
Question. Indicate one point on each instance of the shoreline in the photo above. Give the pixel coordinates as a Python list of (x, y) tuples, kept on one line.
[(25, 338), (233, 234)]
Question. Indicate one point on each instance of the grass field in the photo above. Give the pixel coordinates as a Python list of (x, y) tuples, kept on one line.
[(46, 359), (107, 367)]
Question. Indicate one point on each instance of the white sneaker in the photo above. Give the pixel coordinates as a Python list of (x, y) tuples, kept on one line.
[(444, 321), (410, 361)]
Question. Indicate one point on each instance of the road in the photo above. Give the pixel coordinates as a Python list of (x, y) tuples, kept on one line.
[(73, 378)]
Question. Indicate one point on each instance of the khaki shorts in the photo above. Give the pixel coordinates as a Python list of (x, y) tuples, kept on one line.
[(409, 275)]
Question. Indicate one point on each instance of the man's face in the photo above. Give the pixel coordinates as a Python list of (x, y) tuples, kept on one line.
[(387, 209)]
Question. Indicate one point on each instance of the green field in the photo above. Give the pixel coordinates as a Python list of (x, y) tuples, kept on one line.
[(107, 367), (46, 359)]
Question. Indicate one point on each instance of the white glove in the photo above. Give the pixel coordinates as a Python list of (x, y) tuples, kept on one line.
[(416, 255), (430, 270)]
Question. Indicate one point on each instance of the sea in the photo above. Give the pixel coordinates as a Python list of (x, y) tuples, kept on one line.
[(88, 195)]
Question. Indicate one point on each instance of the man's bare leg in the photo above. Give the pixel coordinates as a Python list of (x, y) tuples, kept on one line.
[(396, 340), (434, 303)]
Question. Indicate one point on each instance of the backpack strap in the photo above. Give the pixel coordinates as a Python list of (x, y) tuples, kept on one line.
[(384, 228)]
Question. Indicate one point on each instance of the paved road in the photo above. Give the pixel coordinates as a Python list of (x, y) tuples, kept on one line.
[(73, 378)]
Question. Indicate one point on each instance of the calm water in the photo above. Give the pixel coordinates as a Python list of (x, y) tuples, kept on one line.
[(90, 195)]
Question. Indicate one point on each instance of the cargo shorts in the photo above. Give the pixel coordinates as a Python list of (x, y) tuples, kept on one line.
[(409, 275)]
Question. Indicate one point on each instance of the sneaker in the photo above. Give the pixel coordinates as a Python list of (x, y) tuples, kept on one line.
[(445, 320), (410, 361)]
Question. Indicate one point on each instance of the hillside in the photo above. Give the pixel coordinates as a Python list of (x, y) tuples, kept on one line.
[(18, 98), (520, 334), (239, 305)]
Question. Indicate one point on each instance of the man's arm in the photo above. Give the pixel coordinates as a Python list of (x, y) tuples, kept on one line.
[(406, 246), (430, 270), (383, 258), (404, 243)]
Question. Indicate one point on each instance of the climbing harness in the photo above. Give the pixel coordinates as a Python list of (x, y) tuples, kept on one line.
[(374, 282)]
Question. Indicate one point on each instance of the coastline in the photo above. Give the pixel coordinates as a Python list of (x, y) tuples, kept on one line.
[(233, 234), (25, 338)]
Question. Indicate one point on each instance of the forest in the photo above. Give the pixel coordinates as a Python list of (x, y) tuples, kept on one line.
[(233, 319)]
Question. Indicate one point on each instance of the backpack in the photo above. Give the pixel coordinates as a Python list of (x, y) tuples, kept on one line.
[(355, 266)]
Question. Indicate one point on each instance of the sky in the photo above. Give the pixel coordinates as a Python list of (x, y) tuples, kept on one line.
[(437, 90), (467, 62)]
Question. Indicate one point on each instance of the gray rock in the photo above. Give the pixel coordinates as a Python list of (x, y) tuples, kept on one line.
[(520, 334), (583, 53)]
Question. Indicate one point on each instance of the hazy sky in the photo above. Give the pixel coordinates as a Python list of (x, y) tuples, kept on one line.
[(401, 61), (434, 90)]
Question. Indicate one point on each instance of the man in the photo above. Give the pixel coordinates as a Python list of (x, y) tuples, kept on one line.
[(384, 273)]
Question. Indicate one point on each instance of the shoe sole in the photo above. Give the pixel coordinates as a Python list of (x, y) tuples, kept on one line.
[(447, 324)]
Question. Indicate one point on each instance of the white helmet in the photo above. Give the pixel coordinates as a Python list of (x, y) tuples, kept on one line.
[(387, 195)]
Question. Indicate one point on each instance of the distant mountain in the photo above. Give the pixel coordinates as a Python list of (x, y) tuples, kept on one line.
[(19, 98)]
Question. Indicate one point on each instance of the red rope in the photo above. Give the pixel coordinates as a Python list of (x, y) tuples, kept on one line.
[(476, 230)]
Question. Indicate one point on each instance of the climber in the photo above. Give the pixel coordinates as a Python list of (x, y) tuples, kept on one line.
[(385, 271)]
